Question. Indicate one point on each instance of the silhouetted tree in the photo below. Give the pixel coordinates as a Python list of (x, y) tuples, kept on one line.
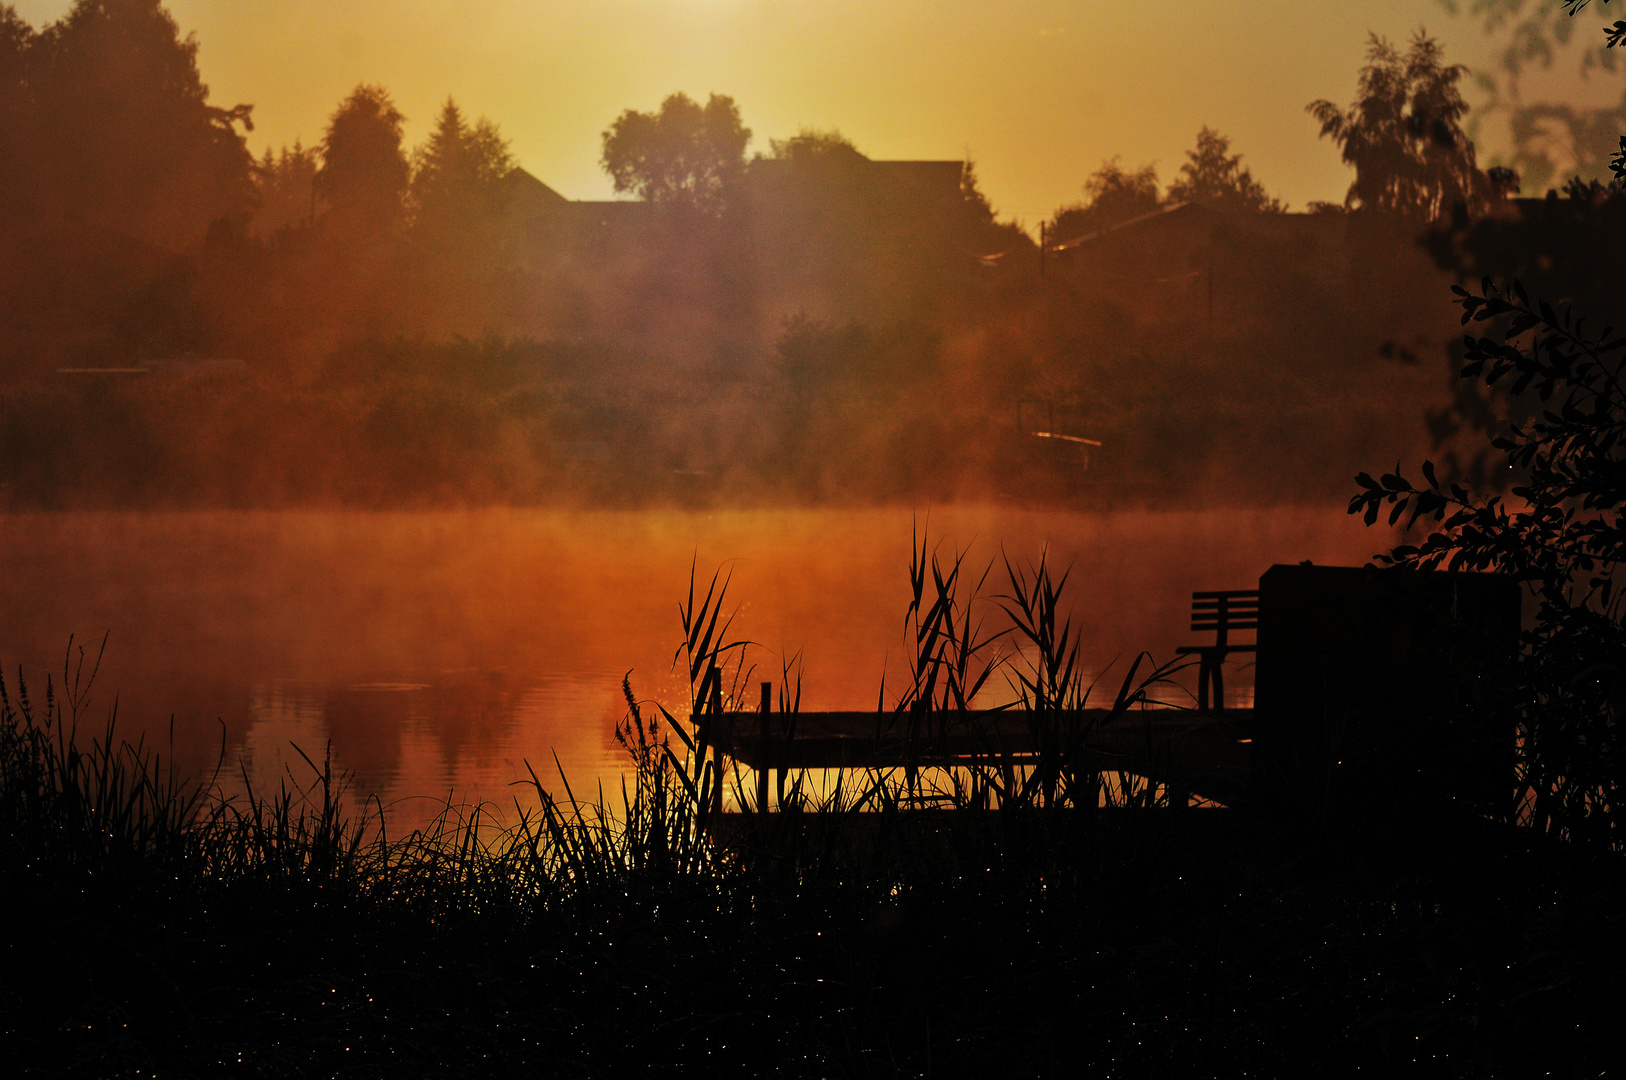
[(1562, 531), (455, 173), (683, 155), (1403, 134), (364, 171), (126, 136), (1111, 195), (16, 38), (978, 208), (1214, 177), (810, 146), (286, 184), (1547, 135), (457, 202)]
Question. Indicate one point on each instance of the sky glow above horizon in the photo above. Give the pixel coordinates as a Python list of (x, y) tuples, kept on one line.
[(1037, 92)]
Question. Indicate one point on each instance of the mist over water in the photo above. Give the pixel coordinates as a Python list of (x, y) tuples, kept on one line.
[(440, 651)]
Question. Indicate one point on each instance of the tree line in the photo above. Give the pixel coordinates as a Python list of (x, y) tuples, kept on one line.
[(104, 119), (1403, 136), (339, 271)]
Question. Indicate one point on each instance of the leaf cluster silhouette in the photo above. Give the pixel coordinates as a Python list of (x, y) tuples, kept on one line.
[(1561, 527)]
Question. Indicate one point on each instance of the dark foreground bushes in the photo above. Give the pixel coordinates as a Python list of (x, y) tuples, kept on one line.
[(152, 928)]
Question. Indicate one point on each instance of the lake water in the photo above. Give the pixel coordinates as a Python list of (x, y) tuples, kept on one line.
[(439, 652)]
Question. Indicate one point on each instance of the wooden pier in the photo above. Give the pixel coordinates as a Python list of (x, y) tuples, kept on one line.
[(1207, 754), (1373, 702)]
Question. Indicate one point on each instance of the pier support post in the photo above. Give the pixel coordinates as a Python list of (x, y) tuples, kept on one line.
[(717, 748), (762, 749)]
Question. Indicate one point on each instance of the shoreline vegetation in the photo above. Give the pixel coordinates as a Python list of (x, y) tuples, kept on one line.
[(1046, 921), (830, 414)]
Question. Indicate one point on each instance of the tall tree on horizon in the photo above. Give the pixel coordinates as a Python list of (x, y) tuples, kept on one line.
[(685, 155), (455, 174), (364, 171), (1213, 176), (16, 39), (1403, 134), (286, 183), (123, 129)]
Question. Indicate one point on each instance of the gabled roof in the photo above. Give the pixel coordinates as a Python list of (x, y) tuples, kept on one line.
[(527, 195)]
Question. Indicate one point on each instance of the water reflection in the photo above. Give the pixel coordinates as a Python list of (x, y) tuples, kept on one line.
[(470, 736), (440, 652)]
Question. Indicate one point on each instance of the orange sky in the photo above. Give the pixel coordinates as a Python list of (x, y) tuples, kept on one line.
[(1038, 92)]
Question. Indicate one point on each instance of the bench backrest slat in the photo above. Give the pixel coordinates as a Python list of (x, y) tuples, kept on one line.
[(1223, 610)]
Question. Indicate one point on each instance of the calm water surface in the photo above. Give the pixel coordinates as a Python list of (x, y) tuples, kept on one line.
[(439, 652)]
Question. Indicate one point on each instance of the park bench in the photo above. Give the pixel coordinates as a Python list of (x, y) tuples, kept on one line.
[(1221, 612)]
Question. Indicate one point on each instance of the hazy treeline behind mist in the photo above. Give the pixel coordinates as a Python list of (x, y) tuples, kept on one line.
[(365, 322)]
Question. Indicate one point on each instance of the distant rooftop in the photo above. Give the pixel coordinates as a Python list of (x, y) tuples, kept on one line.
[(528, 196)]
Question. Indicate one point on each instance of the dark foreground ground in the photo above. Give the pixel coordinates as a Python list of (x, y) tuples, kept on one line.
[(1129, 944)]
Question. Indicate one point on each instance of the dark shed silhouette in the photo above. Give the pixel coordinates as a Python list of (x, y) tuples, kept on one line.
[(1375, 695)]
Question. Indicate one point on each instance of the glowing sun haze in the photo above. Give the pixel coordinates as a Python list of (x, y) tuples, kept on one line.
[(1038, 92)]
